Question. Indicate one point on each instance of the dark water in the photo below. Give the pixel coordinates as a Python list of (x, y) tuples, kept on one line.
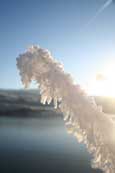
[(40, 145)]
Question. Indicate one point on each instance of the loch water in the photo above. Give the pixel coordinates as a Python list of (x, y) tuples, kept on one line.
[(40, 145)]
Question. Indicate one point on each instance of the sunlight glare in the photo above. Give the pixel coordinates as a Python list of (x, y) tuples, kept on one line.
[(106, 85)]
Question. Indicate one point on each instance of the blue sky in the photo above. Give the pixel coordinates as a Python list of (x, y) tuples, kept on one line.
[(60, 26)]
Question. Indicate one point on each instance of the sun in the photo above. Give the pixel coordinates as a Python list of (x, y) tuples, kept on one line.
[(104, 82)]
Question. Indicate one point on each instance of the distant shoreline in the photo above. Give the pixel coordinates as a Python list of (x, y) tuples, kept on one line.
[(26, 103), (25, 113)]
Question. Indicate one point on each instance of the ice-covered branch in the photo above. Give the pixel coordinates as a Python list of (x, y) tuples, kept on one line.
[(81, 114)]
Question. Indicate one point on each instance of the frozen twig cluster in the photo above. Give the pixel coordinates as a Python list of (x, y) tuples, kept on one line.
[(81, 115)]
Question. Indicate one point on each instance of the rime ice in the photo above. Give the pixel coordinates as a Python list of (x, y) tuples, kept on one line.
[(81, 115)]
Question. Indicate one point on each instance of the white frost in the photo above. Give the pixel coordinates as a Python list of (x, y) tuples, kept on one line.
[(82, 116)]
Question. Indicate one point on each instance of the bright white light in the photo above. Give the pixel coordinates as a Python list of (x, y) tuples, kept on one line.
[(105, 86)]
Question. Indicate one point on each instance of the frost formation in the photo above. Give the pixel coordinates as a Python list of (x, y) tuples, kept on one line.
[(81, 115)]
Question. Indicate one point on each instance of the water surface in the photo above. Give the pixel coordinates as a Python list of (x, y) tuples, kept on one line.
[(40, 145)]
